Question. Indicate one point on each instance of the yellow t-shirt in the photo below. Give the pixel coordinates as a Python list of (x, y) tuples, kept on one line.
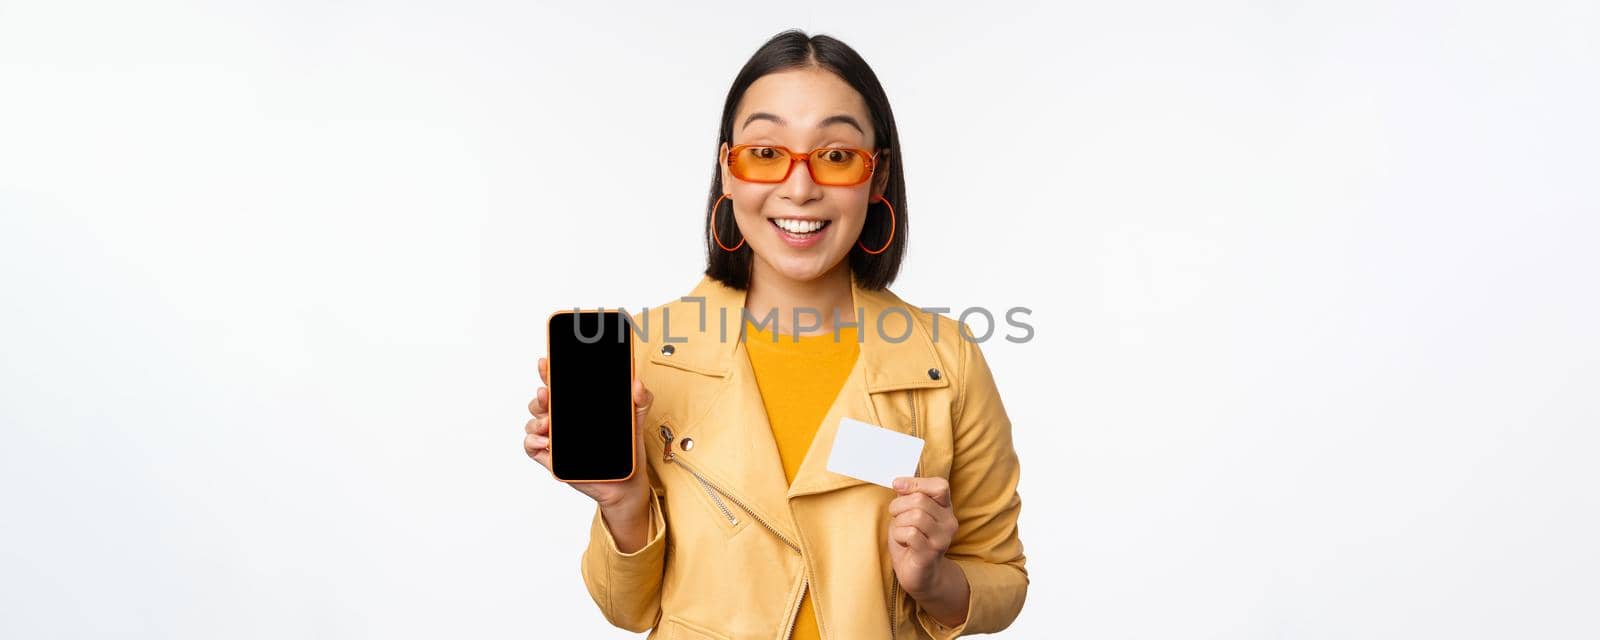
[(799, 382)]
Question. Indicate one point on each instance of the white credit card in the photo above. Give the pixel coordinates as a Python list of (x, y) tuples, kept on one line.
[(873, 453)]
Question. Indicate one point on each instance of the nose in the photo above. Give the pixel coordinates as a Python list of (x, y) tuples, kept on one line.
[(799, 188)]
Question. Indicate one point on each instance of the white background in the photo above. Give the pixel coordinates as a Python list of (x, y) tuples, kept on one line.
[(1313, 288)]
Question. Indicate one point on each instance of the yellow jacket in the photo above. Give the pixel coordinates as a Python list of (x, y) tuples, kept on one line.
[(735, 546)]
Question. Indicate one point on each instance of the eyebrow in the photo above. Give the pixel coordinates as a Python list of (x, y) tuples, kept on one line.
[(834, 119)]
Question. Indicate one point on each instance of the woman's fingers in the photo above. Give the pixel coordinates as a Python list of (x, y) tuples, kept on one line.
[(540, 404), (920, 502), (923, 521), (538, 448), (913, 501), (935, 521), (539, 426), (536, 438), (935, 487), (910, 537)]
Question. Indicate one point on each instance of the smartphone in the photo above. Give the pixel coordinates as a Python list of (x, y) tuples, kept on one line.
[(592, 434)]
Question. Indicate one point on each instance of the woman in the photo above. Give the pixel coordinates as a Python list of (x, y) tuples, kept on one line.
[(738, 529)]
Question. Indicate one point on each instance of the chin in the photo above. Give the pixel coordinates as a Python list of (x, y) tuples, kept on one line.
[(801, 268)]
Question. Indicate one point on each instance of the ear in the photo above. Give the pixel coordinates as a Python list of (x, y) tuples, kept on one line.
[(722, 161), (880, 175)]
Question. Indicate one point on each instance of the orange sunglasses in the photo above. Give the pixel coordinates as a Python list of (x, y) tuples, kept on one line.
[(829, 166)]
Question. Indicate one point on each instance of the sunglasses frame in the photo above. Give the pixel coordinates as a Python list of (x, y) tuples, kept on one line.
[(796, 157)]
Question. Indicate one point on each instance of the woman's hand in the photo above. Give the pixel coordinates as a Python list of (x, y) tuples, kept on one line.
[(622, 500), (921, 527)]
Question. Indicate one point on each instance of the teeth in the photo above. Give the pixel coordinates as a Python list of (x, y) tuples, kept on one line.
[(793, 225)]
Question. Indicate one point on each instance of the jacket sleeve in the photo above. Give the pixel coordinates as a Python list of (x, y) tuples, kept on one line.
[(983, 494), (626, 586)]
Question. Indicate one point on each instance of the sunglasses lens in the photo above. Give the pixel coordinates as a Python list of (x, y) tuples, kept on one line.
[(760, 164), (838, 166)]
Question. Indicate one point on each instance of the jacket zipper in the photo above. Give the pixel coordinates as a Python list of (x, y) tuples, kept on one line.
[(725, 512), (795, 617), (894, 581), (894, 597)]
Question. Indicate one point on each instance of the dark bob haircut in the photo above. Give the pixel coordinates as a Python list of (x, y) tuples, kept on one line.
[(789, 50)]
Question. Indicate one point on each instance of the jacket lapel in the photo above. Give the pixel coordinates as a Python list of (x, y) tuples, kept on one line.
[(896, 354)]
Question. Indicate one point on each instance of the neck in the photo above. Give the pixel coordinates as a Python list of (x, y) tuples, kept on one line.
[(825, 296)]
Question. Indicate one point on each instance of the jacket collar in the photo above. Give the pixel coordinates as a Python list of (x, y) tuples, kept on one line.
[(710, 342)]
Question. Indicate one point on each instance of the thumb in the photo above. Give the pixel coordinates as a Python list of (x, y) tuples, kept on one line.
[(641, 398)]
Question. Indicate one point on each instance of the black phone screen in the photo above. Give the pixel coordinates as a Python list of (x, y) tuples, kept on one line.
[(591, 396)]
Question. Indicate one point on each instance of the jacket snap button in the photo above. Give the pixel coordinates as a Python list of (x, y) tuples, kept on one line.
[(667, 350), (686, 443), (933, 373)]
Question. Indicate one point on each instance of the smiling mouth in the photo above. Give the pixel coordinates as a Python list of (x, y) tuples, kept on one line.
[(800, 228)]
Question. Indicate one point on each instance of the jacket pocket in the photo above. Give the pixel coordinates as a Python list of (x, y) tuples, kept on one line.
[(679, 629)]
